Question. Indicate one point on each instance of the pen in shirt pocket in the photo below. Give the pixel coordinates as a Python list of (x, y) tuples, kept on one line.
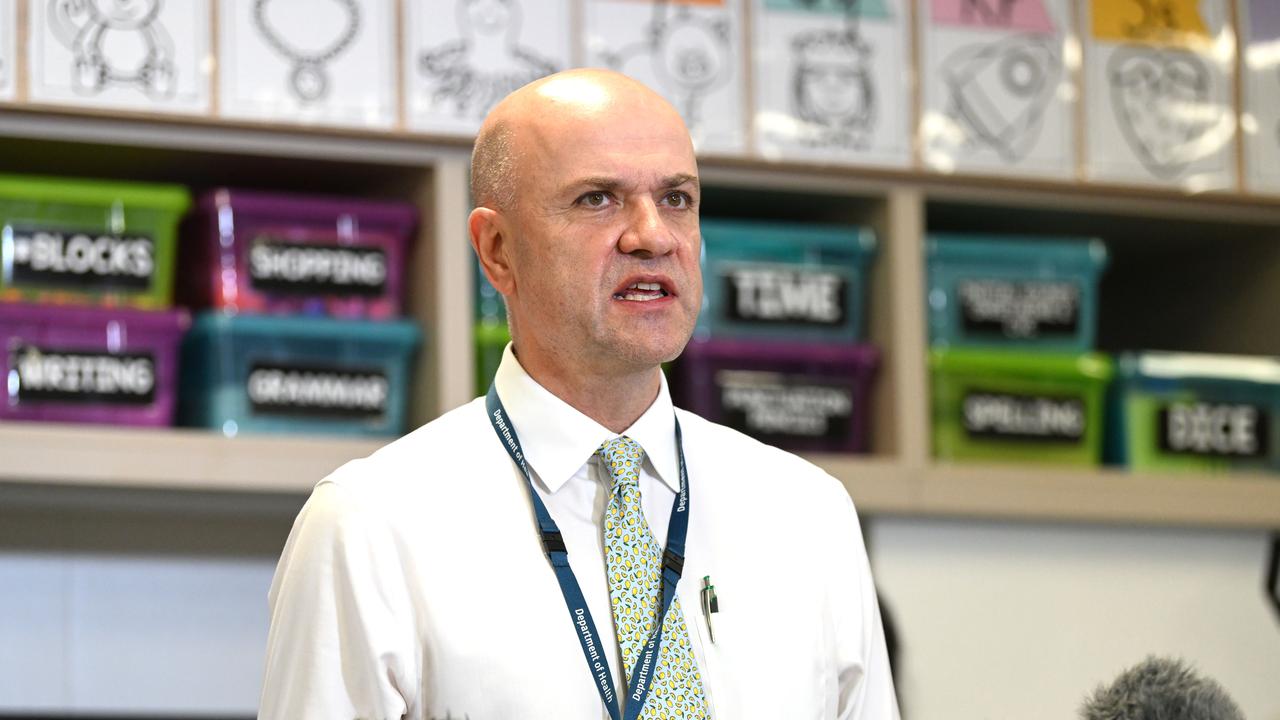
[(710, 605)]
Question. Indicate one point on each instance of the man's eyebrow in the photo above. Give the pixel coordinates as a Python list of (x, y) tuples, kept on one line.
[(674, 181), (612, 184)]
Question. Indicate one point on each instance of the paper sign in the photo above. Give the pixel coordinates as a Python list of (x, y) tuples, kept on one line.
[(7, 42), (1025, 15), (864, 9), (1264, 20), (1164, 22)]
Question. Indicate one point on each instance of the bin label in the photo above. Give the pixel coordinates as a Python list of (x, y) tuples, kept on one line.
[(1019, 310), (76, 259), (785, 295), (44, 374), (1008, 416), (1214, 429), (777, 404), (318, 391), (292, 268)]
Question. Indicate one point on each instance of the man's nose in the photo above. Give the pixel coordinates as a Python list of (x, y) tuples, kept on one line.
[(646, 234)]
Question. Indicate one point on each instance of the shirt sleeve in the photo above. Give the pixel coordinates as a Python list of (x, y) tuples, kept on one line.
[(341, 643), (865, 680)]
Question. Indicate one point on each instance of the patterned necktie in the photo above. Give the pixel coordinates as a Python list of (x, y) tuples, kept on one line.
[(634, 563)]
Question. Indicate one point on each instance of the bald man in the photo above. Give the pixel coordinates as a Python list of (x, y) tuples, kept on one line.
[(571, 546)]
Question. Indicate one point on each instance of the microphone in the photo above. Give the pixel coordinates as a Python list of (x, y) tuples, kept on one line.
[(1160, 689)]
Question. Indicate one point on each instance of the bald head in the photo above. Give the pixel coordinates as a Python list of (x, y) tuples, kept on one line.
[(520, 123)]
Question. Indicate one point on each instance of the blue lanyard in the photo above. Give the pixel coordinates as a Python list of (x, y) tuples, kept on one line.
[(553, 545)]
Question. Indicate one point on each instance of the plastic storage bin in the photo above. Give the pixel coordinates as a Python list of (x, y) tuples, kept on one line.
[(799, 397), (301, 255), (1014, 293), (249, 374), (788, 282), (1174, 411), (90, 365), (88, 241), (1025, 407)]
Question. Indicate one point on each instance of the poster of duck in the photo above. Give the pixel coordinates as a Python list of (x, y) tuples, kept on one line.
[(1160, 99), (329, 62), (998, 91), (1260, 121), (8, 45), (832, 80), (150, 55), (688, 50), (463, 56)]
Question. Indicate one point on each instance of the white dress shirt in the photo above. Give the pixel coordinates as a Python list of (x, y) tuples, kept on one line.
[(414, 585)]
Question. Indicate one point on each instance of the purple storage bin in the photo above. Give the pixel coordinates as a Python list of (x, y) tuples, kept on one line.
[(278, 254), (794, 396), (90, 365)]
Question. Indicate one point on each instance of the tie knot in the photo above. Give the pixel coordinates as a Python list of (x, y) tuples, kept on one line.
[(623, 457)]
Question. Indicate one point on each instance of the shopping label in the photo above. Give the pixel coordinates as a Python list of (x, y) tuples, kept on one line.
[(291, 268), (765, 404), (35, 256), (1011, 416), (330, 392), (1019, 310), (47, 374), (1214, 429), (778, 294)]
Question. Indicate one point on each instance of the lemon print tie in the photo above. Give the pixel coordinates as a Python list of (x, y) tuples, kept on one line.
[(634, 563)]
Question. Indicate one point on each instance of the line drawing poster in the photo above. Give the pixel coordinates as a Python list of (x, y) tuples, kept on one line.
[(832, 79), (1160, 83), (690, 51), (8, 48), (463, 56), (1260, 120), (998, 91), (145, 55), (327, 62)]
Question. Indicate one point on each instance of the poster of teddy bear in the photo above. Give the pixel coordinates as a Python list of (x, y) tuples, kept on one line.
[(328, 62), (999, 96), (1160, 76), (8, 42), (688, 50), (832, 79), (463, 56), (1260, 121), (141, 55)]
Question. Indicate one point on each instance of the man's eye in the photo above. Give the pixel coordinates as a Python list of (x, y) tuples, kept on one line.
[(679, 199), (594, 199)]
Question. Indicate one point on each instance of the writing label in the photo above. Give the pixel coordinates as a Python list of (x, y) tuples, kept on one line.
[(861, 9), (772, 295), (1165, 22), (777, 404), (64, 376), (1214, 430), (296, 268), (1019, 310), (48, 257), (1006, 416), (1024, 15), (329, 392)]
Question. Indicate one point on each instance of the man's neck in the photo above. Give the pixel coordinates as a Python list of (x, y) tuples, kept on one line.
[(615, 400)]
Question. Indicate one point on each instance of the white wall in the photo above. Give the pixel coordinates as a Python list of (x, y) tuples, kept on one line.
[(1018, 621)]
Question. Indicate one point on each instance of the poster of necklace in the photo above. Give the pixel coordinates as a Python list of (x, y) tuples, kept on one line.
[(8, 44), (1160, 84), (999, 96), (1260, 122), (144, 55), (832, 79), (688, 50), (463, 56), (327, 62)]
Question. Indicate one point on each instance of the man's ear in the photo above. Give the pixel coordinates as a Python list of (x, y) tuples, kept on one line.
[(490, 241)]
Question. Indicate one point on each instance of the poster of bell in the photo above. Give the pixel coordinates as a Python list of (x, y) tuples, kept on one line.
[(1260, 121), (1160, 102), (998, 86)]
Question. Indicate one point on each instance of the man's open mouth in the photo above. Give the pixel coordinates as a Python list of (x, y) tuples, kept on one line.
[(642, 292)]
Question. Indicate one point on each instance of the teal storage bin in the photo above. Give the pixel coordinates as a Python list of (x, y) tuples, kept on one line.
[(306, 375), (1014, 293), (787, 282), (1201, 413)]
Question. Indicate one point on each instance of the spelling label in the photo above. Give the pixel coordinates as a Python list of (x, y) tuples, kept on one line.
[(1006, 416), (45, 257), (329, 392), (41, 374), (295, 268), (1214, 430), (1020, 310), (770, 403), (771, 294)]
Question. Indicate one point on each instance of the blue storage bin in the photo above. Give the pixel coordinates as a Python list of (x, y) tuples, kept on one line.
[(1203, 413), (1006, 292), (313, 375), (789, 282)]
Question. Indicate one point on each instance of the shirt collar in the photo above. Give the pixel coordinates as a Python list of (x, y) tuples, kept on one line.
[(557, 439)]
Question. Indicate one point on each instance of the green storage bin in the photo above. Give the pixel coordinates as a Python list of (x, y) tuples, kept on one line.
[(1020, 407), (89, 241)]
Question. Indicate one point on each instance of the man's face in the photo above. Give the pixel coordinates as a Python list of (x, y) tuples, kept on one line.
[(606, 245)]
